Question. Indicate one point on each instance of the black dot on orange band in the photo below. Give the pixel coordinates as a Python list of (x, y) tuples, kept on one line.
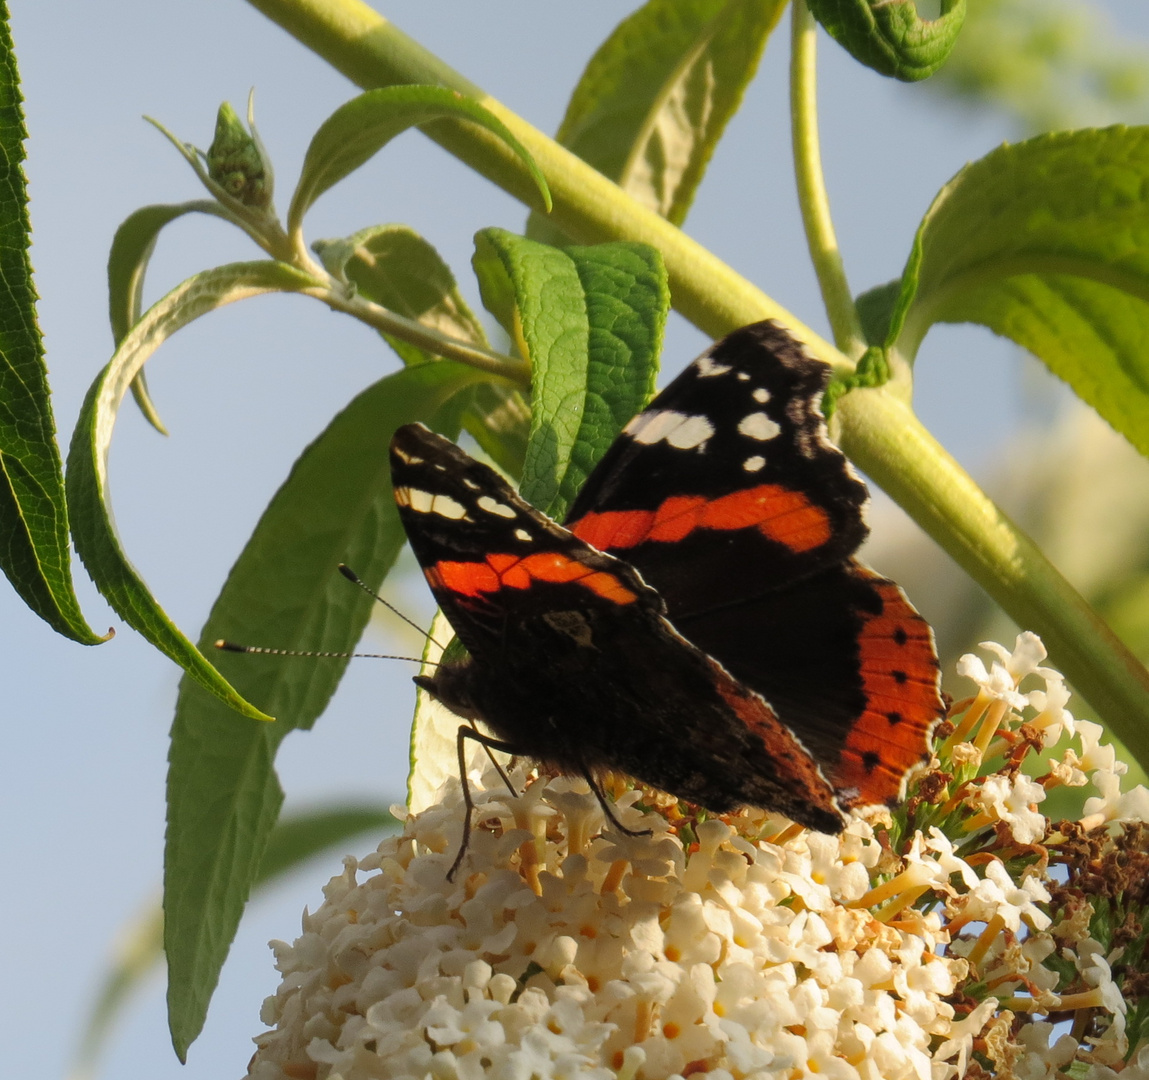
[(870, 761), (894, 717), (900, 636), (899, 677)]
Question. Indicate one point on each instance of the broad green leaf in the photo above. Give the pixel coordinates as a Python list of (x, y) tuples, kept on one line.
[(656, 97), (92, 523), (140, 948), (284, 591), (590, 320), (33, 514), (358, 130), (395, 267), (132, 248), (889, 35), (1046, 243)]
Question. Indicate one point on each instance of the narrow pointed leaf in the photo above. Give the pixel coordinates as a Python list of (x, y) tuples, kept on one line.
[(889, 35), (87, 488), (355, 132), (33, 516), (1045, 243), (284, 591), (140, 949), (395, 267), (590, 320), (131, 251), (655, 99)]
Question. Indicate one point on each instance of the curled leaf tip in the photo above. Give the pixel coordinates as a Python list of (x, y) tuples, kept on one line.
[(890, 36)]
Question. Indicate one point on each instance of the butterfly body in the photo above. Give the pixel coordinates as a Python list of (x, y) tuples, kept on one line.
[(700, 622)]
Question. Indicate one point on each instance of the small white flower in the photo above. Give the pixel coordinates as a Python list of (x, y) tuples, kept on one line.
[(1113, 804), (1052, 716), (1028, 653), (1013, 801), (998, 894)]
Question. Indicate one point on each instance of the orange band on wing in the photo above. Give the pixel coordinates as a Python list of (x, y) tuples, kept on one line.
[(900, 680), (502, 570), (782, 515)]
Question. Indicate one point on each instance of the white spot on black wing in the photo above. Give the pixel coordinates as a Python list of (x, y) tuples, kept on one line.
[(424, 502), (493, 506), (707, 366), (680, 430), (758, 426)]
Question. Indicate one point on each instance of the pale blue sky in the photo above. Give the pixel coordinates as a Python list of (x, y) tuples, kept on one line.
[(242, 392)]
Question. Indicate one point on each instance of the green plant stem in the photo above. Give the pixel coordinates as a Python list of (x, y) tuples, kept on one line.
[(370, 51), (389, 322), (812, 197), (888, 442)]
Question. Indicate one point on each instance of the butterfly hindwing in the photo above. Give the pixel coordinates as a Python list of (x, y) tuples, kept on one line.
[(728, 497)]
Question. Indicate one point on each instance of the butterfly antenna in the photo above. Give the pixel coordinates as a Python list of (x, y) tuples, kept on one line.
[(232, 646), (355, 579)]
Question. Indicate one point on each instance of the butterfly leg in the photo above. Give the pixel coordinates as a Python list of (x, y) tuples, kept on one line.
[(489, 744), (606, 807)]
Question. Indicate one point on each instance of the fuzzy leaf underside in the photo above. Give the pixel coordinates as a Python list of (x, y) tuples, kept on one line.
[(654, 101), (358, 130), (1047, 242), (395, 267)]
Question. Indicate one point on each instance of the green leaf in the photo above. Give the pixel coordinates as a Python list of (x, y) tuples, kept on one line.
[(358, 130), (132, 248), (1044, 242), (656, 97), (33, 515), (889, 35), (590, 320), (876, 310), (223, 794), (393, 266), (140, 947), (92, 524)]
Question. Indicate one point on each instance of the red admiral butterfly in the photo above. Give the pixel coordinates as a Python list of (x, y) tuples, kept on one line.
[(699, 622)]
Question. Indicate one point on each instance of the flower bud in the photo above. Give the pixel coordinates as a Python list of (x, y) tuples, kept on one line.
[(235, 161)]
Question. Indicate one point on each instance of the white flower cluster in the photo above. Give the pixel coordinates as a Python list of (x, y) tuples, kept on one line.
[(744, 959), (742, 947)]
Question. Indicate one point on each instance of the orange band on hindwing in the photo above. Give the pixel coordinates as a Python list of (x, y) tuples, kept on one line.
[(900, 680)]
